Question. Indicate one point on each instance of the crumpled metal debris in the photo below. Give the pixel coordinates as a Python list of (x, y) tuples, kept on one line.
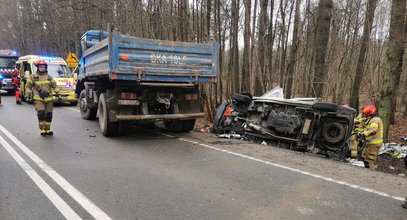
[(230, 135), (356, 162), (394, 149)]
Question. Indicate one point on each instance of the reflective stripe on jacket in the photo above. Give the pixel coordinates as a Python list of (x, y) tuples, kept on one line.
[(374, 130), (42, 85)]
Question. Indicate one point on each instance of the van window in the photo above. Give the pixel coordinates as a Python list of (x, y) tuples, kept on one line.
[(27, 67), (58, 71)]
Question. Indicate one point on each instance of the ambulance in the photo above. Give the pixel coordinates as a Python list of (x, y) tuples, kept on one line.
[(57, 68)]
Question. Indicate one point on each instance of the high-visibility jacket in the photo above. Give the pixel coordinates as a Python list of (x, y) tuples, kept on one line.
[(373, 130), (359, 123), (41, 86)]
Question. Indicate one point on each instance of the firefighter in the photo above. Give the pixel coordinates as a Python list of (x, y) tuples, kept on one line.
[(373, 132), (16, 86), (39, 87), (354, 143)]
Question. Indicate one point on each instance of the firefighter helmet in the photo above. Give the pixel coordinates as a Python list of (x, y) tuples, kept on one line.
[(369, 110), (41, 62)]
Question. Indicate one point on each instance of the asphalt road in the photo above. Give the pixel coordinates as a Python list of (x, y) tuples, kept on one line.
[(79, 174)]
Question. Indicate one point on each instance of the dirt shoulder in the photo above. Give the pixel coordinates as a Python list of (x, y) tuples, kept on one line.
[(392, 184)]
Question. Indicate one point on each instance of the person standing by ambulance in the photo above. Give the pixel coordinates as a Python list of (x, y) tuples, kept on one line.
[(40, 86), (16, 86)]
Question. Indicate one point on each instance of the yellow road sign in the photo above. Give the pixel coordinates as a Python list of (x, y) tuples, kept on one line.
[(72, 60)]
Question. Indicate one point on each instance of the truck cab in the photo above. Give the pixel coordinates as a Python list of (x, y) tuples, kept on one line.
[(8, 60), (57, 68)]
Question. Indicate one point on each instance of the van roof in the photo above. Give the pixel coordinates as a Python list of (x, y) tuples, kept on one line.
[(48, 59)]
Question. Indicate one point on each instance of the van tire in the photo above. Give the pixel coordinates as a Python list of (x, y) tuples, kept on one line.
[(326, 106), (333, 132)]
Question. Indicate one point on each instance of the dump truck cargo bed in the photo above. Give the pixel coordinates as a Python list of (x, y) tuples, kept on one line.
[(123, 57)]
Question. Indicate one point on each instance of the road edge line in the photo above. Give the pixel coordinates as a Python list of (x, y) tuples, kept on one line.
[(87, 204), (55, 199), (289, 168)]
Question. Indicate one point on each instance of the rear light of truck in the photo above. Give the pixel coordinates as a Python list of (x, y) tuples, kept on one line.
[(124, 57), (128, 95), (191, 96)]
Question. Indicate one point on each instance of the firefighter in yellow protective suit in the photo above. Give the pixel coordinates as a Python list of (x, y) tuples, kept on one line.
[(359, 123), (40, 86), (373, 132)]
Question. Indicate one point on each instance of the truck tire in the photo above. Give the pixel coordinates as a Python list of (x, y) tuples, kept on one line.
[(86, 113), (74, 103), (179, 125), (108, 129)]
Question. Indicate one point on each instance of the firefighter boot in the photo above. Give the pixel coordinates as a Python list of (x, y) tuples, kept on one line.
[(49, 132), (43, 132)]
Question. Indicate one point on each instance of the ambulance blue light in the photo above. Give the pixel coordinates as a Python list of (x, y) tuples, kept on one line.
[(48, 58)]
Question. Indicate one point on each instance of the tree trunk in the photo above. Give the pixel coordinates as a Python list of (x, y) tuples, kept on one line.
[(354, 97), (246, 53), (395, 61), (258, 81), (293, 51), (235, 76), (321, 45)]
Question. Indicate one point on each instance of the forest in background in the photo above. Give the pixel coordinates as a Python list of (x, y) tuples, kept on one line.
[(343, 51)]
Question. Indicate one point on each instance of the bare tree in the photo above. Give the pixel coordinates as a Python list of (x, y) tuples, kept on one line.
[(395, 62), (354, 97), (293, 50), (321, 45), (246, 50)]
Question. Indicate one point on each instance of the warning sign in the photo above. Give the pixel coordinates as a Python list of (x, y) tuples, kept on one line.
[(72, 60)]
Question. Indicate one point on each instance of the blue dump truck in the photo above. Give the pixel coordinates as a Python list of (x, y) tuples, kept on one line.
[(126, 79)]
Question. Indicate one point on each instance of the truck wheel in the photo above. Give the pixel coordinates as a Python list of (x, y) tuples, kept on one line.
[(109, 129), (179, 126), (86, 113), (74, 103)]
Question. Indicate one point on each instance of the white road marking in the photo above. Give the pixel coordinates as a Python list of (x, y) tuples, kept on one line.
[(88, 205), (58, 202), (72, 109), (289, 168)]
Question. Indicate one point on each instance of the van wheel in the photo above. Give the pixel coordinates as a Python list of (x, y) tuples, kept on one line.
[(333, 132), (86, 113), (109, 129)]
